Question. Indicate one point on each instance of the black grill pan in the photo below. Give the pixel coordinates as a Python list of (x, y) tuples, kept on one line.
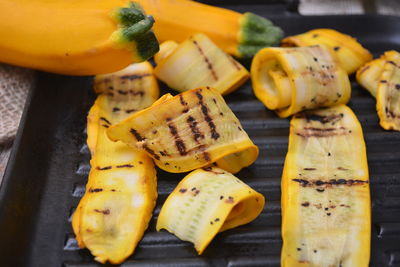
[(48, 169)]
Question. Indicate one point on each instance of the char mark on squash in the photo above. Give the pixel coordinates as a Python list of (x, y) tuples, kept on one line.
[(321, 132), (214, 134), (125, 166), (136, 134), (195, 130), (103, 168), (105, 120), (180, 145), (134, 76), (182, 100), (322, 119), (209, 65), (329, 183), (151, 152)]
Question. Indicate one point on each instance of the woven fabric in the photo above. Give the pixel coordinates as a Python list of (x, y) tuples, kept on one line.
[(15, 82)]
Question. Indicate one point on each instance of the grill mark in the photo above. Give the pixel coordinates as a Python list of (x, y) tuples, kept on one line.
[(195, 130), (122, 92), (180, 145), (141, 93), (134, 76), (95, 190), (209, 65), (342, 169), (393, 63), (214, 134), (116, 109), (103, 168), (130, 111), (206, 156), (182, 100), (151, 152), (136, 134), (331, 182), (105, 120), (309, 169), (210, 169), (321, 132), (105, 126), (125, 166), (105, 212), (234, 63), (321, 119), (364, 69)]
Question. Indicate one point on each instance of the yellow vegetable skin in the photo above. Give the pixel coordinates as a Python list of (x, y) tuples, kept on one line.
[(350, 53), (289, 80), (198, 62), (208, 201), (381, 77), (122, 189), (75, 37), (238, 34), (189, 131), (326, 212)]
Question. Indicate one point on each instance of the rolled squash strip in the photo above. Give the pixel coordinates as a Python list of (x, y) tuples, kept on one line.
[(198, 62), (381, 77), (122, 189), (351, 54), (189, 131), (208, 201), (289, 80), (326, 213)]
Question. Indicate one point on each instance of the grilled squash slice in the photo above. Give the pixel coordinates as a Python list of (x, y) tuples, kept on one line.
[(198, 62), (241, 35), (122, 189), (189, 131), (326, 213), (381, 77), (289, 80), (350, 53), (208, 201), (75, 37)]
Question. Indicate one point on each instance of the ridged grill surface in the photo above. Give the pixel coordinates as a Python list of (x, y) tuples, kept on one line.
[(57, 149)]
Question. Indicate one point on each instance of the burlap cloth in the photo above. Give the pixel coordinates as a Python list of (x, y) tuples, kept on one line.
[(15, 83)]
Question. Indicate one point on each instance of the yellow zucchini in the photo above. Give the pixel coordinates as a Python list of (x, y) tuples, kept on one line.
[(189, 131), (351, 54), (122, 189), (208, 201), (289, 80), (241, 35), (75, 37), (381, 77), (198, 62), (326, 212)]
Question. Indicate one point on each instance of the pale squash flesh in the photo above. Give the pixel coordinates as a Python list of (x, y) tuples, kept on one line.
[(326, 212), (381, 77), (122, 189), (350, 53), (289, 80), (189, 131), (198, 62), (208, 201), (75, 37)]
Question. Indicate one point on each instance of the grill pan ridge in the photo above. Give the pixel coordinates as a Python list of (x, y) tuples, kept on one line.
[(48, 169)]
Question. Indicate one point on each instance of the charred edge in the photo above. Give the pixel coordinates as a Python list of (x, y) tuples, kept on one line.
[(331, 182), (214, 134), (105, 212), (151, 152), (195, 130), (136, 134), (130, 111), (134, 76), (105, 120), (182, 100), (103, 168), (209, 65), (125, 166), (116, 109), (180, 145), (95, 190)]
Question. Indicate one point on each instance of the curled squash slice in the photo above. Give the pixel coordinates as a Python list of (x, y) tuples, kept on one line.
[(122, 189), (189, 131), (289, 80), (350, 53), (326, 213), (208, 201), (198, 62), (381, 77)]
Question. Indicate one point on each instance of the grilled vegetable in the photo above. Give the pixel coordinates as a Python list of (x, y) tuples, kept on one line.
[(198, 62), (208, 201), (75, 37), (289, 80), (238, 34), (121, 191), (381, 77), (189, 131), (350, 53), (326, 213)]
